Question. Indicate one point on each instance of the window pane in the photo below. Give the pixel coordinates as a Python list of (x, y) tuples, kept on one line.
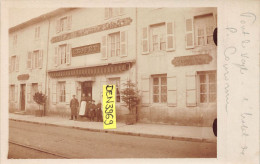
[(163, 46), (163, 89), (212, 98), (156, 90), (202, 78), (212, 88), (163, 80), (155, 98), (200, 40), (209, 30), (212, 78), (203, 88), (164, 98), (200, 32), (203, 98), (156, 81), (209, 39)]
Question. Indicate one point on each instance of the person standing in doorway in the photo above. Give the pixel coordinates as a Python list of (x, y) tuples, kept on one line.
[(74, 104)]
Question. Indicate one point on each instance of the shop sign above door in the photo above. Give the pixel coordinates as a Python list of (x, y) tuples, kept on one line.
[(84, 50), (192, 60), (23, 77)]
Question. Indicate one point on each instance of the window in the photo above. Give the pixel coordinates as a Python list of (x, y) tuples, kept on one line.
[(204, 27), (15, 40), (113, 12), (37, 32), (63, 24), (208, 87), (34, 89), (160, 89), (114, 44), (12, 93), (35, 59), (61, 91), (158, 37), (116, 82), (63, 54)]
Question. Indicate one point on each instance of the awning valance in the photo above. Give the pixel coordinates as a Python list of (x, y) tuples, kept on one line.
[(91, 71)]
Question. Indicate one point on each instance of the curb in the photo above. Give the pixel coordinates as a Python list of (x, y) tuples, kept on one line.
[(124, 133)]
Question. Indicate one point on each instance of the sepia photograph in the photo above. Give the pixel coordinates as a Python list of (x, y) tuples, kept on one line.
[(162, 61)]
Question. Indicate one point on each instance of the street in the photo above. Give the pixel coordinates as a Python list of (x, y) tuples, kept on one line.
[(75, 143)]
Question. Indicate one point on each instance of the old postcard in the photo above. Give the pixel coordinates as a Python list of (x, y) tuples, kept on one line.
[(130, 81)]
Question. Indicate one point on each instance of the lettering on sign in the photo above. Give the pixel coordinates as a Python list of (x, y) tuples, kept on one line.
[(192, 60), (94, 29), (109, 108), (84, 50)]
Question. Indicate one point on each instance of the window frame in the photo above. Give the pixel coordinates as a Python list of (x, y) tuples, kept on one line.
[(37, 32), (111, 82), (65, 23), (159, 88), (111, 12), (162, 27), (61, 95), (117, 44), (62, 56), (207, 83)]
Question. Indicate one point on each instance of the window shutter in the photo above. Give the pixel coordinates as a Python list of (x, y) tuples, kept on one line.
[(29, 87), (104, 47), (191, 98), (145, 41), (106, 13), (189, 33), (40, 62), (56, 56), (68, 54), (10, 65), (170, 40), (16, 93), (17, 63), (69, 22), (145, 90), (58, 26), (172, 90), (39, 87), (123, 42), (67, 92), (54, 93), (29, 60)]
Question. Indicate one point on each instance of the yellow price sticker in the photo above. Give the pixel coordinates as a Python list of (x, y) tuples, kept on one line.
[(109, 107)]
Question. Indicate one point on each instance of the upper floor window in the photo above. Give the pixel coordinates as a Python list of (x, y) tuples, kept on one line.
[(207, 86), (160, 89), (63, 24), (114, 44), (116, 82), (14, 63), (113, 12), (12, 93), (62, 54), (37, 32), (35, 59), (15, 40), (158, 37)]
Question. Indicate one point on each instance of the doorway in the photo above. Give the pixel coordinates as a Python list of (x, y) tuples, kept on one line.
[(86, 88), (22, 97)]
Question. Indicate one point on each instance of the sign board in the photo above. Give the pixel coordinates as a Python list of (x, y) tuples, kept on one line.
[(84, 50)]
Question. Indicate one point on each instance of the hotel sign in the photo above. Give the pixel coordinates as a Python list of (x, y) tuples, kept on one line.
[(91, 30), (192, 60), (84, 50)]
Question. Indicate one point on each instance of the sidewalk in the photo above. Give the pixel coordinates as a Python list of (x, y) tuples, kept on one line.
[(183, 133)]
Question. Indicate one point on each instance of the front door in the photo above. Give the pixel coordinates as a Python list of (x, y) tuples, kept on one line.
[(22, 97), (86, 88)]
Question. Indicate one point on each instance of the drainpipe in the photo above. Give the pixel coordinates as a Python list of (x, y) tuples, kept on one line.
[(46, 73), (136, 50)]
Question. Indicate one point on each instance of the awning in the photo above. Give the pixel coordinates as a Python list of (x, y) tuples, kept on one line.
[(91, 71)]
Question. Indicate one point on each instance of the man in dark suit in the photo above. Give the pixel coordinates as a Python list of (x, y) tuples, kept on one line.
[(74, 104)]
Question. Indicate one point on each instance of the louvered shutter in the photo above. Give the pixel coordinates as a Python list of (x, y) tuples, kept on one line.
[(67, 92), (40, 62), (29, 87), (68, 54), (104, 47), (191, 97), (54, 93), (29, 60), (69, 22), (171, 89), (17, 63), (56, 56), (10, 65), (145, 90), (189, 33), (16, 93), (145, 41), (58, 26), (123, 42), (170, 40), (106, 13)]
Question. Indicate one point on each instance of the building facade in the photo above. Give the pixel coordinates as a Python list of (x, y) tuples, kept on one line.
[(168, 52), (177, 63)]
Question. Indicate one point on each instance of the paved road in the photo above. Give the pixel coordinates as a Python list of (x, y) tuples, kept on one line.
[(74, 143)]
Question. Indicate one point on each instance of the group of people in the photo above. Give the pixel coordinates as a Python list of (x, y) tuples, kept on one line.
[(87, 108)]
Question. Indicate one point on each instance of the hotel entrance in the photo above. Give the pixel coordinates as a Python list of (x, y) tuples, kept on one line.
[(86, 88)]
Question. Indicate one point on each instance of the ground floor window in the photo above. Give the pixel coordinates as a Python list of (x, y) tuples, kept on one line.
[(159, 88), (61, 91), (12, 93), (34, 89), (116, 82), (207, 86)]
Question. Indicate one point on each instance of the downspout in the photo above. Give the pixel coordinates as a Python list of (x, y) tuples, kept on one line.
[(136, 50), (46, 73)]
